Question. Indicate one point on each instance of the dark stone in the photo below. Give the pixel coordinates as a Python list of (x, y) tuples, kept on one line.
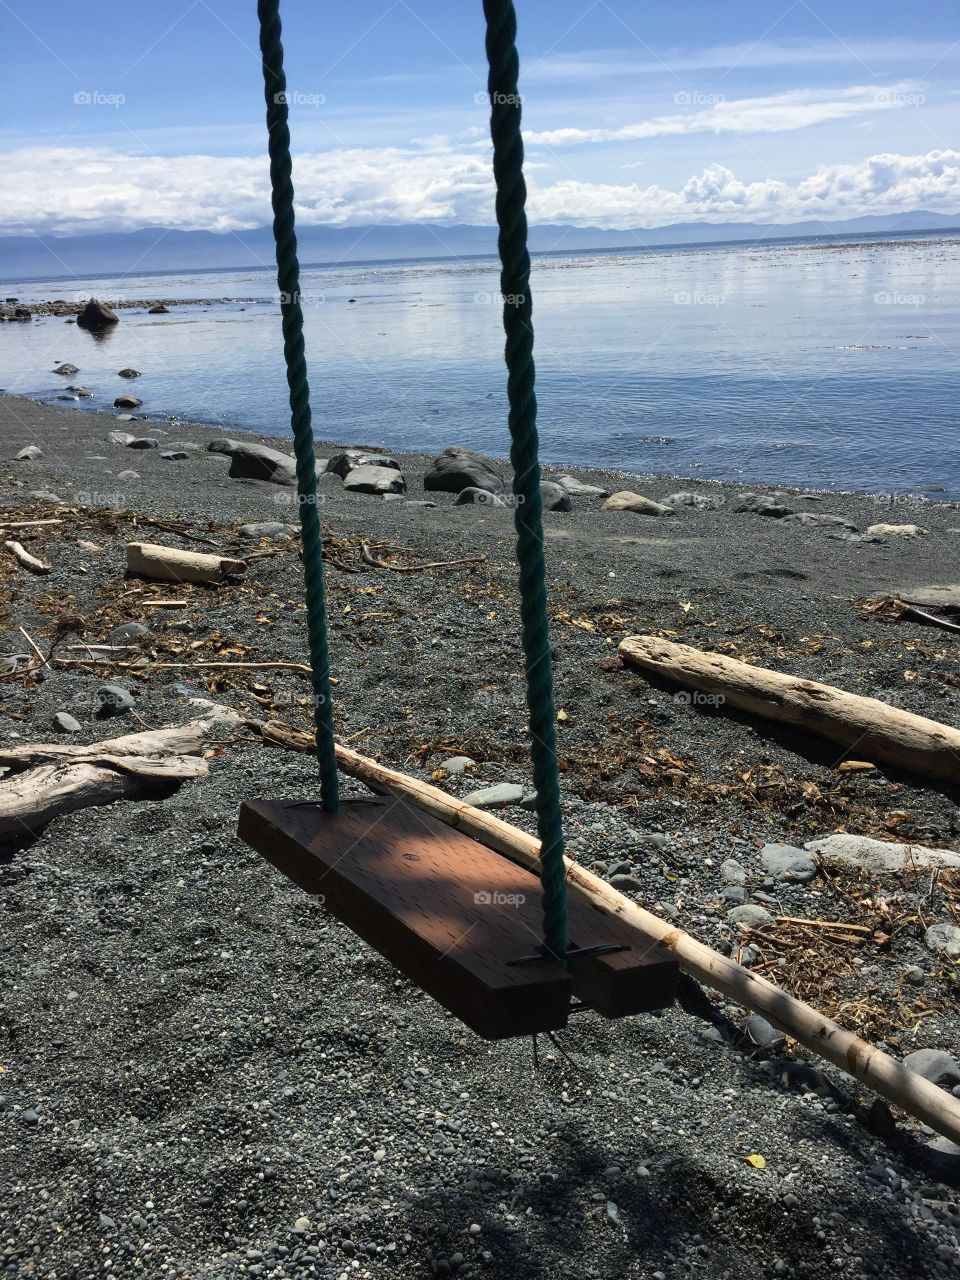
[(763, 504), (128, 631), (114, 700), (97, 316), (129, 373), (554, 497), (457, 469), (473, 496), (143, 442), (174, 455), (67, 370), (158, 310), (127, 402), (63, 722), (341, 464), (934, 1065), (250, 461)]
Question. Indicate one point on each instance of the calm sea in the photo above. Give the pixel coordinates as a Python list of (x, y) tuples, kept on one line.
[(827, 365)]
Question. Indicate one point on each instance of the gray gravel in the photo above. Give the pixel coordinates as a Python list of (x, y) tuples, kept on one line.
[(206, 1076)]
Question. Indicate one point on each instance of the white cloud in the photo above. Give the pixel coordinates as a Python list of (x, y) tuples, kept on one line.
[(71, 190), (796, 109)]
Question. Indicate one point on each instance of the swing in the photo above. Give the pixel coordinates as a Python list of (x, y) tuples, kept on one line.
[(460, 920)]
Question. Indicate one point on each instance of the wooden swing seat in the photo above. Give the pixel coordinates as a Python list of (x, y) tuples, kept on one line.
[(455, 917)]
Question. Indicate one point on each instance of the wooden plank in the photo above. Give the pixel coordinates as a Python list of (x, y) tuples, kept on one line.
[(639, 977), (446, 911)]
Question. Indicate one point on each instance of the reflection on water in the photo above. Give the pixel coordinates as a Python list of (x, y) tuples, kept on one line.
[(797, 364)]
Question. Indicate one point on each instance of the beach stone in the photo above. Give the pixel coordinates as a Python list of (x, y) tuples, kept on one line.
[(249, 461), (457, 469), (554, 497), (341, 464), (158, 310), (763, 1033), (127, 402), (625, 500), (120, 437), (127, 417), (473, 496), (114, 700), (174, 455), (66, 370), (374, 479), (731, 872), (580, 489), (129, 373), (750, 914), (734, 893), (879, 855), (625, 883), (30, 454), (223, 446), (64, 722), (763, 504), (128, 475), (844, 535), (944, 1156), (267, 529), (698, 501), (944, 940), (128, 631), (939, 1068), (897, 530), (784, 862), (498, 797), (143, 442), (819, 520), (96, 316), (457, 764), (83, 392)]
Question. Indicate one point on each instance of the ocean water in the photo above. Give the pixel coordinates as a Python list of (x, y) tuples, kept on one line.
[(822, 365)]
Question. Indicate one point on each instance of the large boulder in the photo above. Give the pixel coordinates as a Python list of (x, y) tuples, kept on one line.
[(763, 504), (97, 316), (457, 469), (627, 501), (374, 479), (249, 461), (223, 446), (474, 497), (341, 464), (554, 497)]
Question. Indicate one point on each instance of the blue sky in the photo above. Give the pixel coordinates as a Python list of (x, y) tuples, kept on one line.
[(126, 115)]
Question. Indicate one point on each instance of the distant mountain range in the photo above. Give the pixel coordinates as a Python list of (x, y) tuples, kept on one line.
[(156, 249)]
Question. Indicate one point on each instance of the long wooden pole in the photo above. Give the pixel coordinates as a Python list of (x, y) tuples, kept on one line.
[(885, 1075)]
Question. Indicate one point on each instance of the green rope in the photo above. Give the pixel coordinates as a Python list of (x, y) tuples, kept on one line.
[(288, 281), (518, 326)]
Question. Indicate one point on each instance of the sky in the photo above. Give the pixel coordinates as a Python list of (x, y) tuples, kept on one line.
[(123, 115)]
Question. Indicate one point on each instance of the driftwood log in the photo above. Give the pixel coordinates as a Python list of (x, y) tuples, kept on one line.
[(817, 1033), (59, 778), (877, 731), (170, 564), (24, 558)]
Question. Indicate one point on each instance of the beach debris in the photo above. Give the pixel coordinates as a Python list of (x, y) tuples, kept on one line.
[(457, 469), (171, 564), (127, 402), (894, 608), (554, 497), (25, 559), (97, 315), (897, 530), (49, 779), (249, 461), (129, 373), (625, 500), (66, 370), (696, 501), (374, 479), (763, 504), (31, 453), (887, 734), (376, 563), (580, 489)]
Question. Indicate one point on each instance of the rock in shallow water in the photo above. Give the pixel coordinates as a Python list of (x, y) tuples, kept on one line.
[(127, 402), (97, 315)]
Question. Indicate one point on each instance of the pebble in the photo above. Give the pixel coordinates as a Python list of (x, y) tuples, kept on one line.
[(457, 764), (750, 914), (731, 872), (785, 862), (938, 1067), (128, 631), (115, 700), (500, 796), (944, 940), (763, 1033), (626, 884), (63, 722)]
